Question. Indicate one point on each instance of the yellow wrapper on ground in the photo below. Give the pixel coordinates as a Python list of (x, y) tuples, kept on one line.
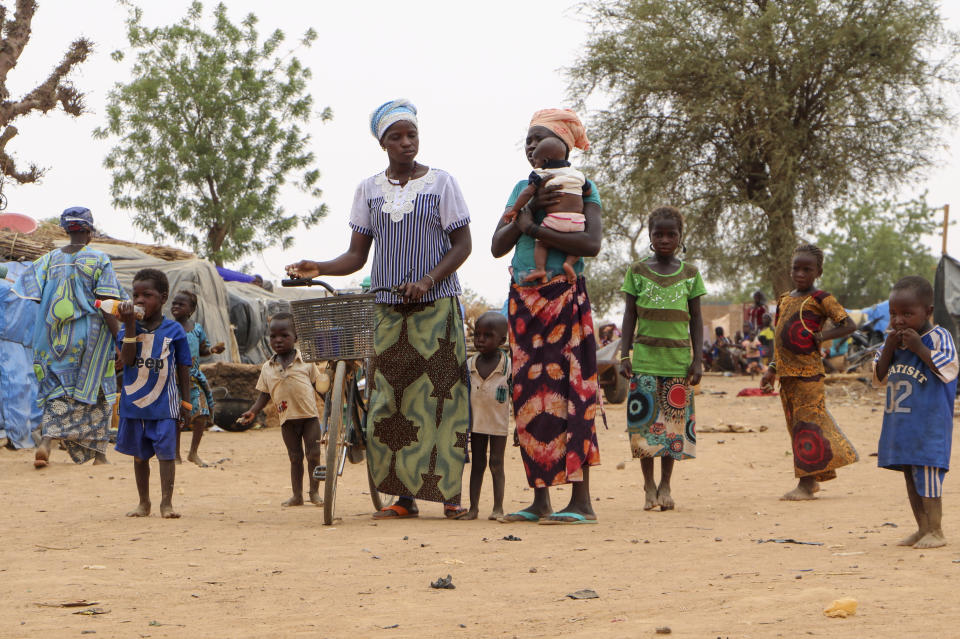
[(841, 608)]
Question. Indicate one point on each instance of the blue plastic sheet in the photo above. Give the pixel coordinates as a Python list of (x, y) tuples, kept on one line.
[(19, 413)]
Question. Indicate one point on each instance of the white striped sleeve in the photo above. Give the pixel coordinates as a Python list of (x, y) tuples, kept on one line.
[(453, 207), (877, 382), (360, 213), (944, 355)]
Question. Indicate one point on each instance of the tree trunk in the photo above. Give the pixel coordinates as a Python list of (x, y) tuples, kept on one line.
[(780, 240)]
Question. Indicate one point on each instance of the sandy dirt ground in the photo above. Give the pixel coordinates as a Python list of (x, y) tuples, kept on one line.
[(237, 565)]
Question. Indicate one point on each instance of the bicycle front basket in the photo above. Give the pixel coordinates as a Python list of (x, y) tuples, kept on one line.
[(334, 328)]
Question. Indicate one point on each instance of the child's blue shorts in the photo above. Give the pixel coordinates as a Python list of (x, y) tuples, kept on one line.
[(928, 480), (144, 438)]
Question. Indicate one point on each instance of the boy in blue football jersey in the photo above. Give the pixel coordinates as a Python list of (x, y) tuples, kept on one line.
[(919, 365), (156, 379)]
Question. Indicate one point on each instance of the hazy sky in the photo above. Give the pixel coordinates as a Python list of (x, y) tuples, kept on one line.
[(475, 71)]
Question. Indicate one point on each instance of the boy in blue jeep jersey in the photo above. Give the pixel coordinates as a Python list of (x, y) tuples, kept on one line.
[(156, 380)]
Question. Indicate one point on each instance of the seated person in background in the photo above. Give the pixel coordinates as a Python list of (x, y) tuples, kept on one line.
[(550, 163), (765, 336), (751, 352)]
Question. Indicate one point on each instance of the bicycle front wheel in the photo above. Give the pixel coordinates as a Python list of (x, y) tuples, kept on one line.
[(335, 444)]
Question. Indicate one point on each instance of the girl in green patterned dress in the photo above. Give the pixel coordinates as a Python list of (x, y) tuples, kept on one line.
[(663, 327)]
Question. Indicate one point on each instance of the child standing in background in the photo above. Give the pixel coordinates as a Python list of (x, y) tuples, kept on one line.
[(663, 325), (490, 392), (819, 446), (182, 308), (293, 385), (919, 365), (156, 381)]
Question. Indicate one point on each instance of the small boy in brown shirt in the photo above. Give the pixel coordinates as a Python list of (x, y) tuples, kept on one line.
[(292, 384)]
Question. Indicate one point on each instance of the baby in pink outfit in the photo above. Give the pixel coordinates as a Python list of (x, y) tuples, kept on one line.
[(566, 216)]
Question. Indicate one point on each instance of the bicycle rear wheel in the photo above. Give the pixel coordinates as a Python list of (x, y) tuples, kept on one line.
[(336, 447)]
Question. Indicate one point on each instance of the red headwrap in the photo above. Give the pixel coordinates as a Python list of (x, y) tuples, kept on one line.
[(566, 124)]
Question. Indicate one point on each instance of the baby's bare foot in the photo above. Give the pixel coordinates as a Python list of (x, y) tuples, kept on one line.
[(931, 540), (496, 514), (167, 512), (664, 498), (911, 539), (195, 458), (536, 274), (650, 498), (142, 510), (296, 500), (100, 459), (179, 460), (315, 499)]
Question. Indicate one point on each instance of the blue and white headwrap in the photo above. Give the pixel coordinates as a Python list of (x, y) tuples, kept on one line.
[(390, 113)]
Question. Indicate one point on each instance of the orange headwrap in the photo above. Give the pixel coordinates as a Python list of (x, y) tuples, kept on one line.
[(566, 124)]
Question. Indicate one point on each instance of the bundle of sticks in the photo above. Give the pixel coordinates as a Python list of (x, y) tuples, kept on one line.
[(20, 247)]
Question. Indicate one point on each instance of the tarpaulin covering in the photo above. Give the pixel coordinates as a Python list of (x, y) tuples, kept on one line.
[(946, 295)]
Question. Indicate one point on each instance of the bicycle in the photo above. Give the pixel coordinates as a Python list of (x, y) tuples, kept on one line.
[(339, 329)]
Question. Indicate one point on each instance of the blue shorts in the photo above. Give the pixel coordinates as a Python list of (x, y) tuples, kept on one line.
[(144, 438), (928, 480)]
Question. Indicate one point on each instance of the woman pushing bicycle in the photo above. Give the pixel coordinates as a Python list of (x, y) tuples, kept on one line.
[(417, 221)]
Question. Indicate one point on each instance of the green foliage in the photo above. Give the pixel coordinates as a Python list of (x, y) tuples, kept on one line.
[(871, 246), (753, 116), (210, 132)]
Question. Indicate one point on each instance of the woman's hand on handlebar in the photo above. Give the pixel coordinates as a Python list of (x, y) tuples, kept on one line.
[(413, 291), (304, 269)]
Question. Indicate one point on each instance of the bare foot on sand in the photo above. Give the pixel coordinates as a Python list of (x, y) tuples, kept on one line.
[(805, 490), (296, 500), (167, 512), (100, 459), (315, 499), (931, 540), (650, 497), (142, 510), (664, 499), (42, 457), (470, 514), (911, 540), (496, 514), (179, 460), (195, 458)]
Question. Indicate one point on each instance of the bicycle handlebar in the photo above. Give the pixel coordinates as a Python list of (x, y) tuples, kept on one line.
[(333, 291)]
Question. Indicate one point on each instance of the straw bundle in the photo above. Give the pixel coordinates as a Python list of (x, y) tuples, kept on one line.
[(20, 247), (50, 232)]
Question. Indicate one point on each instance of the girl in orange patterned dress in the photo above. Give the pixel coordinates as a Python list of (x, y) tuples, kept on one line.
[(819, 446)]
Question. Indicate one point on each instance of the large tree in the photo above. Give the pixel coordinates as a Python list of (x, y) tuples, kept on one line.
[(210, 132), (754, 116), (54, 90), (872, 245)]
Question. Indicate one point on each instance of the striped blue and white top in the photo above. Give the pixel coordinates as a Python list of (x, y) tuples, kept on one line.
[(411, 228)]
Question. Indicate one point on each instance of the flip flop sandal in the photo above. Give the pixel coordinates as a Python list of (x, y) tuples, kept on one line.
[(524, 516), (395, 511), (576, 517)]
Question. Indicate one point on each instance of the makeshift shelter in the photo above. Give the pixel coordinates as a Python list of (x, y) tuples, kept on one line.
[(946, 295), (198, 276)]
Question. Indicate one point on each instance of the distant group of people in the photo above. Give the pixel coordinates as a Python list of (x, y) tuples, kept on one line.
[(429, 401)]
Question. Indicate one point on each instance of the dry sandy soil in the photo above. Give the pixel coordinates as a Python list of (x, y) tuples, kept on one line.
[(237, 565)]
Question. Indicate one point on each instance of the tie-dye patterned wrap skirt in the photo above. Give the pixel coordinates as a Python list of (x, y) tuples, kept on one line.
[(555, 391)]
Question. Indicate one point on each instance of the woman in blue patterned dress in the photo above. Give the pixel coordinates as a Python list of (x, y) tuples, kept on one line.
[(417, 425), (73, 344)]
